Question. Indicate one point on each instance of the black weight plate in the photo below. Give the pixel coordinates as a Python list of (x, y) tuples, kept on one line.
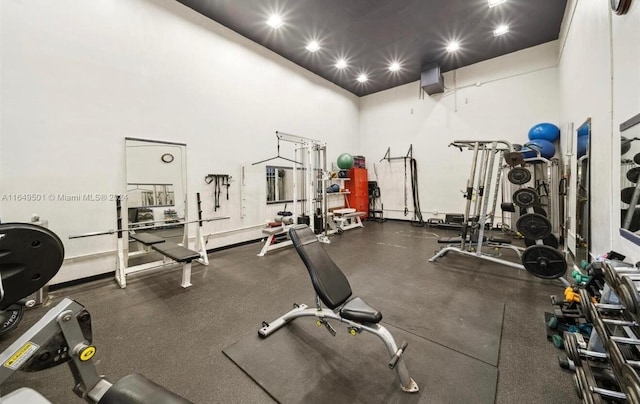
[(30, 256), (536, 209), (626, 299), (636, 158), (634, 298), (525, 197), (630, 383), (585, 299), (632, 175), (519, 175), (514, 158), (534, 226), (626, 194), (571, 348), (544, 262), (550, 240), (10, 318)]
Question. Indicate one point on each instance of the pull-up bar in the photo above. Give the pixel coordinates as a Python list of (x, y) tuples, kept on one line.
[(409, 154)]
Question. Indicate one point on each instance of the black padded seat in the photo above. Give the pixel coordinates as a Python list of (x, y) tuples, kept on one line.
[(137, 389), (147, 238), (328, 280), (358, 310), (176, 252)]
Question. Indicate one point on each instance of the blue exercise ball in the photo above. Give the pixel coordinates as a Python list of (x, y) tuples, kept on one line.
[(583, 145), (546, 148), (545, 131)]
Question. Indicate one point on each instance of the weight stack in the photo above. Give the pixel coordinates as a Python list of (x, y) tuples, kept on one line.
[(317, 224)]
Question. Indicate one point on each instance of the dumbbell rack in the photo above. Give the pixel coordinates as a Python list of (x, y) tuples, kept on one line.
[(606, 368)]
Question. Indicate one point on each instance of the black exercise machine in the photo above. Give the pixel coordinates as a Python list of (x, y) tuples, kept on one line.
[(333, 289), (30, 256)]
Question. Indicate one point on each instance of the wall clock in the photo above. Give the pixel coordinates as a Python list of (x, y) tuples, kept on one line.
[(167, 157), (620, 7)]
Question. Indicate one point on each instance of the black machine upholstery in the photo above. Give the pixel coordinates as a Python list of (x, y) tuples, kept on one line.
[(176, 252), (328, 280), (137, 389), (147, 238)]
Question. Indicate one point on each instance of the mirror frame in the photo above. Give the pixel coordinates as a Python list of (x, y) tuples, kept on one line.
[(626, 125)]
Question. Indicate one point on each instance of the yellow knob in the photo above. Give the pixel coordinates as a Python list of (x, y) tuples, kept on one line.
[(318, 323), (352, 332), (87, 353)]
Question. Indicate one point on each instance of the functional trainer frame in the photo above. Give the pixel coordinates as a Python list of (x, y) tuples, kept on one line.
[(333, 289)]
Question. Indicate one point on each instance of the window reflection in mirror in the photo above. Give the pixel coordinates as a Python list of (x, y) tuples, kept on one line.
[(629, 173), (280, 184)]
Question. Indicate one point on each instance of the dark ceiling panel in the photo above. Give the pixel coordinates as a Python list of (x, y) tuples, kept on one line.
[(372, 33)]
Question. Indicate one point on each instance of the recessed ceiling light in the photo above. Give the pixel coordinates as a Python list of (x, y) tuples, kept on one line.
[(493, 3), (362, 78), (275, 21), (501, 30), (313, 46), (394, 67), (341, 64), (453, 46)]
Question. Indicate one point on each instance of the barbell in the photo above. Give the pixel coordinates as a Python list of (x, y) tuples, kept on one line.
[(155, 226)]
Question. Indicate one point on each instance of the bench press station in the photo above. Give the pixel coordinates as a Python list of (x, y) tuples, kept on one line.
[(333, 289)]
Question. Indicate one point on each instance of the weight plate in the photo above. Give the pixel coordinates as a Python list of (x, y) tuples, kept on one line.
[(536, 209), (30, 256), (514, 158), (626, 299), (519, 175), (576, 384), (571, 348), (534, 226), (630, 383), (636, 159), (583, 387), (585, 299), (550, 240), (10, 318), (632, 175), (544, 262), (525, 197), (626, 194), (633, 303)]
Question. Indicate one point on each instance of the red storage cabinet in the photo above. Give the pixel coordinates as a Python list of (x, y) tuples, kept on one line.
[(358, 186)]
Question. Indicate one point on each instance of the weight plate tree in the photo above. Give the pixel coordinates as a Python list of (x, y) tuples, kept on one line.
[(544, 262)]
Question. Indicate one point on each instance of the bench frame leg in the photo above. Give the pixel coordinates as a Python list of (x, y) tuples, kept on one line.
[(186, 275), (407, 384), (268, 246)]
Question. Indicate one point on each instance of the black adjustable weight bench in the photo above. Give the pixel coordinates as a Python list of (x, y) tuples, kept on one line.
[(333, 289)]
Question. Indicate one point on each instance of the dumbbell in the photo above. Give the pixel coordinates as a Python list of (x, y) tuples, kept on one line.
[(575, 347), (628, 292), (588, 389), (612, 274)]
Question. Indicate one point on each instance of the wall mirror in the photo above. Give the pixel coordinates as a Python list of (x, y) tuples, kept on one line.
[(629, 179), (156, 182), (280, 184), (583, 210)]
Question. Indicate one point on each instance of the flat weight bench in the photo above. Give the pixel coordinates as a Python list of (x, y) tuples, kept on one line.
[(333, 289), (270, 243), (179, 254)]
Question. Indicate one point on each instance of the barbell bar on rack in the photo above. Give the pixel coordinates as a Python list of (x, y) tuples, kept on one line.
[(107, 232)]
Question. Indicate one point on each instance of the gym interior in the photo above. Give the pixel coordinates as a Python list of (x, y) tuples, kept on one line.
[(446, 194)]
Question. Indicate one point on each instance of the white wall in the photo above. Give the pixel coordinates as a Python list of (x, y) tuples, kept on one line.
[(599, 78), (498, 99), (79, 77)]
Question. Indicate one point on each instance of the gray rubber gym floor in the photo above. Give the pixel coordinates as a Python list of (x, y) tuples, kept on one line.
[(475, 329)]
